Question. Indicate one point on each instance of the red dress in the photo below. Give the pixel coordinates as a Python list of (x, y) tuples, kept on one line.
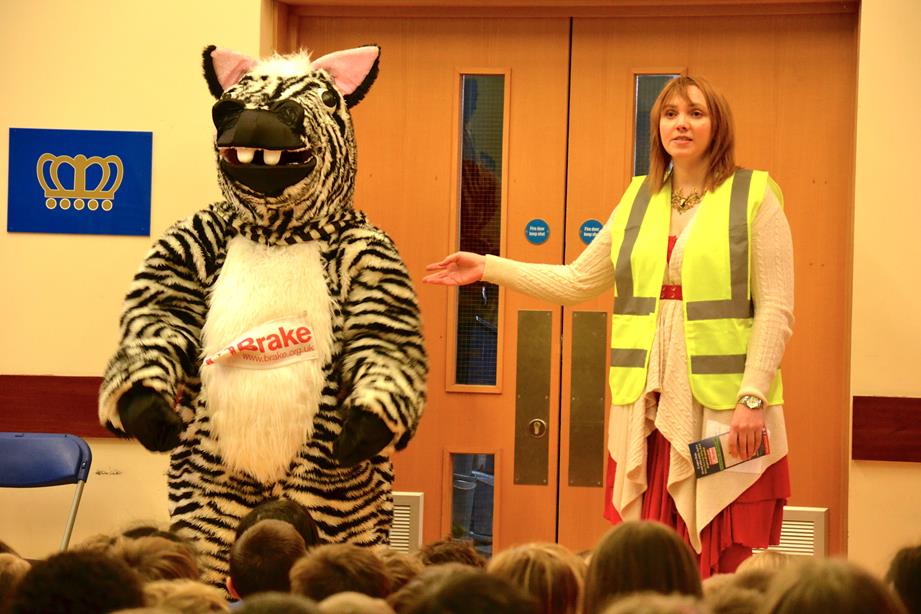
[(753, 520)]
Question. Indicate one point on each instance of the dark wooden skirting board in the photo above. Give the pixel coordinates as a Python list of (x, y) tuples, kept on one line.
[(884, 428), (50, 404), (887, 429)]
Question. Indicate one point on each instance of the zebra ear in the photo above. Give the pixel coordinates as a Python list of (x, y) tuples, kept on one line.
[(224, 68), (353, 70)]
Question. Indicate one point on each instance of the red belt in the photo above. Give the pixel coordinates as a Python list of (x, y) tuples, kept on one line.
[(670, 293)]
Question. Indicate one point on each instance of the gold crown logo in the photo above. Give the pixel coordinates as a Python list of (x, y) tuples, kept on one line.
[(82, 197)]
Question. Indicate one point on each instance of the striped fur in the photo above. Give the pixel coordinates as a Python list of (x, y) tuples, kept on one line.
[(375, 359)]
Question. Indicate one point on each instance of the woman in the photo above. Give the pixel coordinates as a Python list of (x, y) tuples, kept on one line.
[(701, 258)]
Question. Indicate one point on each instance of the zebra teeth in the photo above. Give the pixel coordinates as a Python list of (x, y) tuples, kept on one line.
[(271, 157), (245, 154)]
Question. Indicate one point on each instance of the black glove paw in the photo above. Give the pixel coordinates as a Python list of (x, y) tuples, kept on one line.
[(146, 416), (363, 435)]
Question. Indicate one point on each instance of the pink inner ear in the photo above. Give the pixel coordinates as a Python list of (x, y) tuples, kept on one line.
[(230, 66), (349, 67)]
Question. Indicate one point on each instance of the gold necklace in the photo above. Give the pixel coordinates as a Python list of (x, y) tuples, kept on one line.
[(682, 203)]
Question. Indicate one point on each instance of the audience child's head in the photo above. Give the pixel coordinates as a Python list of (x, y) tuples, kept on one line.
[(401, 567), (477, 592), (905, 577), (766, 559), (150, 530), (716, 582), (101, 543), (277, 603), (157, 558), (451, 551), (78, 582), (550, 573), (186, 596), (285, 510), (656, 603), (428, 579), (824, 586), (6, 548), (262, 557), (732, 599), (13, 569), (637, 556), (354, 603), (336, 568)]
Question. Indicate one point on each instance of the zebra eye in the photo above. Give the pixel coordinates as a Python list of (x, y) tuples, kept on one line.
[(330, 98)]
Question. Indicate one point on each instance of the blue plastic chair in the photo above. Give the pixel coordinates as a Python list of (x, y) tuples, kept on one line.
[(32, 460)]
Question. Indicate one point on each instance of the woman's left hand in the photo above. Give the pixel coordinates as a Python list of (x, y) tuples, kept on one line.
[(745, 431)]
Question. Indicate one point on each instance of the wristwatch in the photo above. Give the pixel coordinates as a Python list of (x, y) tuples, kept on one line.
[(751, 401)]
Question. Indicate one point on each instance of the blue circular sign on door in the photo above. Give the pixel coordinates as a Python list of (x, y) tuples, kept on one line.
[(589, 229), (537, 231)]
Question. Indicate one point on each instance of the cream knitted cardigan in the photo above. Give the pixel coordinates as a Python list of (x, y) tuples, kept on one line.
[(677, 415)]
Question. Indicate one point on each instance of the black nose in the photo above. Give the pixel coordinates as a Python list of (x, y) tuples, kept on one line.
[(279, 128)]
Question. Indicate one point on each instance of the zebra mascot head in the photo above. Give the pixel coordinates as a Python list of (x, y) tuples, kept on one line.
[(284, 140)]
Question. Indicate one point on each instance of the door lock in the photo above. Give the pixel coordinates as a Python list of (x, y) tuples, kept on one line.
[(537, 428)]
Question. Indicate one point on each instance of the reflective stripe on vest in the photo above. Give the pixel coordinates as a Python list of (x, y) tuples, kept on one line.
[(715, 280)]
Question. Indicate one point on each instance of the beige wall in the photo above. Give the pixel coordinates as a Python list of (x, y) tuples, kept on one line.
[(105, 65), (884, 509)]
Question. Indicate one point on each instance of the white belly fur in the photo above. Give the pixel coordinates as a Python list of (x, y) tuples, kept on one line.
[(262, 417)]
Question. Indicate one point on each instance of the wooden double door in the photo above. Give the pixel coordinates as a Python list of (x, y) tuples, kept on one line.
[(568, 133)]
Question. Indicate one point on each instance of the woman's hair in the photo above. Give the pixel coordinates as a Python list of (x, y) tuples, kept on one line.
[(905, 576), (638, 556), (829, 585), (720, 152), (548, 572), (187, 596)]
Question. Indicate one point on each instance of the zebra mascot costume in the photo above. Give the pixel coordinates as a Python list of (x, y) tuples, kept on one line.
[(272, 342)]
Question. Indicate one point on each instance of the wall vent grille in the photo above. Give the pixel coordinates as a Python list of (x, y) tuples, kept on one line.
[(804, 532), (406, 530)]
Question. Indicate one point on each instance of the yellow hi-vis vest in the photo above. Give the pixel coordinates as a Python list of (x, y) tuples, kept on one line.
[(715, 274)]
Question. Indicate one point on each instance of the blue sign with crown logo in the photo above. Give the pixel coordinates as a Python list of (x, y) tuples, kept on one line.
[(79, 181)]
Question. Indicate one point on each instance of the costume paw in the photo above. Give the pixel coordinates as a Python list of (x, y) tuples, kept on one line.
[(146, 416), (363, 435)]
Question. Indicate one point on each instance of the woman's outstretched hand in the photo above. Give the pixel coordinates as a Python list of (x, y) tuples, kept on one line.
[(458, 269)]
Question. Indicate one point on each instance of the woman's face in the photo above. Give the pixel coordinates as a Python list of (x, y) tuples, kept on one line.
[(685, 127)]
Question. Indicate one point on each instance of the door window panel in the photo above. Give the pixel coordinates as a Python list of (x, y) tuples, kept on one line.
[(646, 89), (482, 100), (472, 500)]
